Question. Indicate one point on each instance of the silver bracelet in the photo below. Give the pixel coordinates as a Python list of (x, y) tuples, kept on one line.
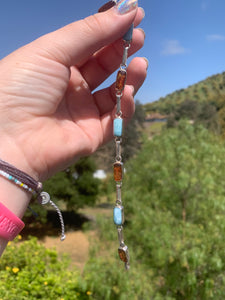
[(118, 212)]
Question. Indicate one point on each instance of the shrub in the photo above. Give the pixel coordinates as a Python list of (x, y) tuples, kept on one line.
[(30, 271), (174, 201)]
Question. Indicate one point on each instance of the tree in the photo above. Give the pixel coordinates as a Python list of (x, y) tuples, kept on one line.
[(75, 186), (204, 113), (132, 133), (175, 203), (183, 170)]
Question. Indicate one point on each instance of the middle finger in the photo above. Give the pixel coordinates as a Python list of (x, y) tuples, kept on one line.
[(97, 69)]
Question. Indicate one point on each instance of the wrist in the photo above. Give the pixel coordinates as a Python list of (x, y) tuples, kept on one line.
[(10, 223), (15, 200), (12, 152), (13, 197)]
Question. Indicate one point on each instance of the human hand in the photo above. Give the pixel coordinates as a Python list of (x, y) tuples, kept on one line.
[(49, 114)]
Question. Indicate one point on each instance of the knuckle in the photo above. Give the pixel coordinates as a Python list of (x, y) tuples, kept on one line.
[(93, 25)]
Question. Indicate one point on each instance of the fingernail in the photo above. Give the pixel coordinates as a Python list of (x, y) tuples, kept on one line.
[(131, 87), (147, 62), (143, 11), (125, 6), (133, 90), (142, 31), (107, 6)]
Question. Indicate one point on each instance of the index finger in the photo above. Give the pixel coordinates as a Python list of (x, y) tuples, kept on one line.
[(77, 41)]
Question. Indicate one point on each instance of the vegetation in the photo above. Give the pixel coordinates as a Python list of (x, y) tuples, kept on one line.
[(29, 271), (197, 113), (73, 188), (174, 198), (76, 186), (203, 102), (210, 90), (175, 203)]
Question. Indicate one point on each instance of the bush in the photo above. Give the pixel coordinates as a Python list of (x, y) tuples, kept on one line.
[(30, 271), (76, 186), (174, 200), (106, 274)]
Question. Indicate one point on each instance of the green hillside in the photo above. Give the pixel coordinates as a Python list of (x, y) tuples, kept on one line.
[(212, 89)]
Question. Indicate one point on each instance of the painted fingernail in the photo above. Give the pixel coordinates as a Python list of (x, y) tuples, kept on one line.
[(142, 31), (125, 6), (143, 11), (107, 6), (147, 62)]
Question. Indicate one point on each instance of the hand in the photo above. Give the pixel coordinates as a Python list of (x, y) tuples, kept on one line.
[(49, 116)]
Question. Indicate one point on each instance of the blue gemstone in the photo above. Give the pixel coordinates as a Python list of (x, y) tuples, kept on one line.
[(128, 35), (118, 126), (118, 215)]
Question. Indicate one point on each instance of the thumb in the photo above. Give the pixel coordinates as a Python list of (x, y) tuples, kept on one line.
[(77, 41)]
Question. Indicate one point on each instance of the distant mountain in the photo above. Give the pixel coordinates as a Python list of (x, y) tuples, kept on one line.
[(212, 90)]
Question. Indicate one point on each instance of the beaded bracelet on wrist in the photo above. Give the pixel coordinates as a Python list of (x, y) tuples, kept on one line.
[(29, 184)]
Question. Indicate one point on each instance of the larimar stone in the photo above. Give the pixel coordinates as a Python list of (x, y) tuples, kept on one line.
[(118, 215), (128, 35), (118, 127)]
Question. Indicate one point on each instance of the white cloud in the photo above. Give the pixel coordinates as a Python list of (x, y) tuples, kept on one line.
[(173, 47), (205, 4), (215, 37)]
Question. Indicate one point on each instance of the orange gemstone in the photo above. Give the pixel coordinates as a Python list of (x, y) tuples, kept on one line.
[(123, 255), (118, 171), (121, 80)]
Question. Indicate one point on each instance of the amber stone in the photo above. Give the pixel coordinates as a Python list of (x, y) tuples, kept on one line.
[(107, 6), (121, 80), (123, 255), (118, 171)]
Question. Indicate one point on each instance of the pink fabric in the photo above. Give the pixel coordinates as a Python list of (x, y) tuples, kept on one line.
[(10, 224)]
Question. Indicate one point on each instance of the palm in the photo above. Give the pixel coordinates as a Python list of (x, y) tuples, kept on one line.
[(64, 120)]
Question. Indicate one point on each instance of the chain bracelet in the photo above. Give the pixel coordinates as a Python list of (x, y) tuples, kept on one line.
[(118, 212)]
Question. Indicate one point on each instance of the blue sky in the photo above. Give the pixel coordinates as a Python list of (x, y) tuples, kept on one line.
[(185, 40)]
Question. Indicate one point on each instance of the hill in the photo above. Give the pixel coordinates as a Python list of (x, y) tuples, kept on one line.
[(212, 90)]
